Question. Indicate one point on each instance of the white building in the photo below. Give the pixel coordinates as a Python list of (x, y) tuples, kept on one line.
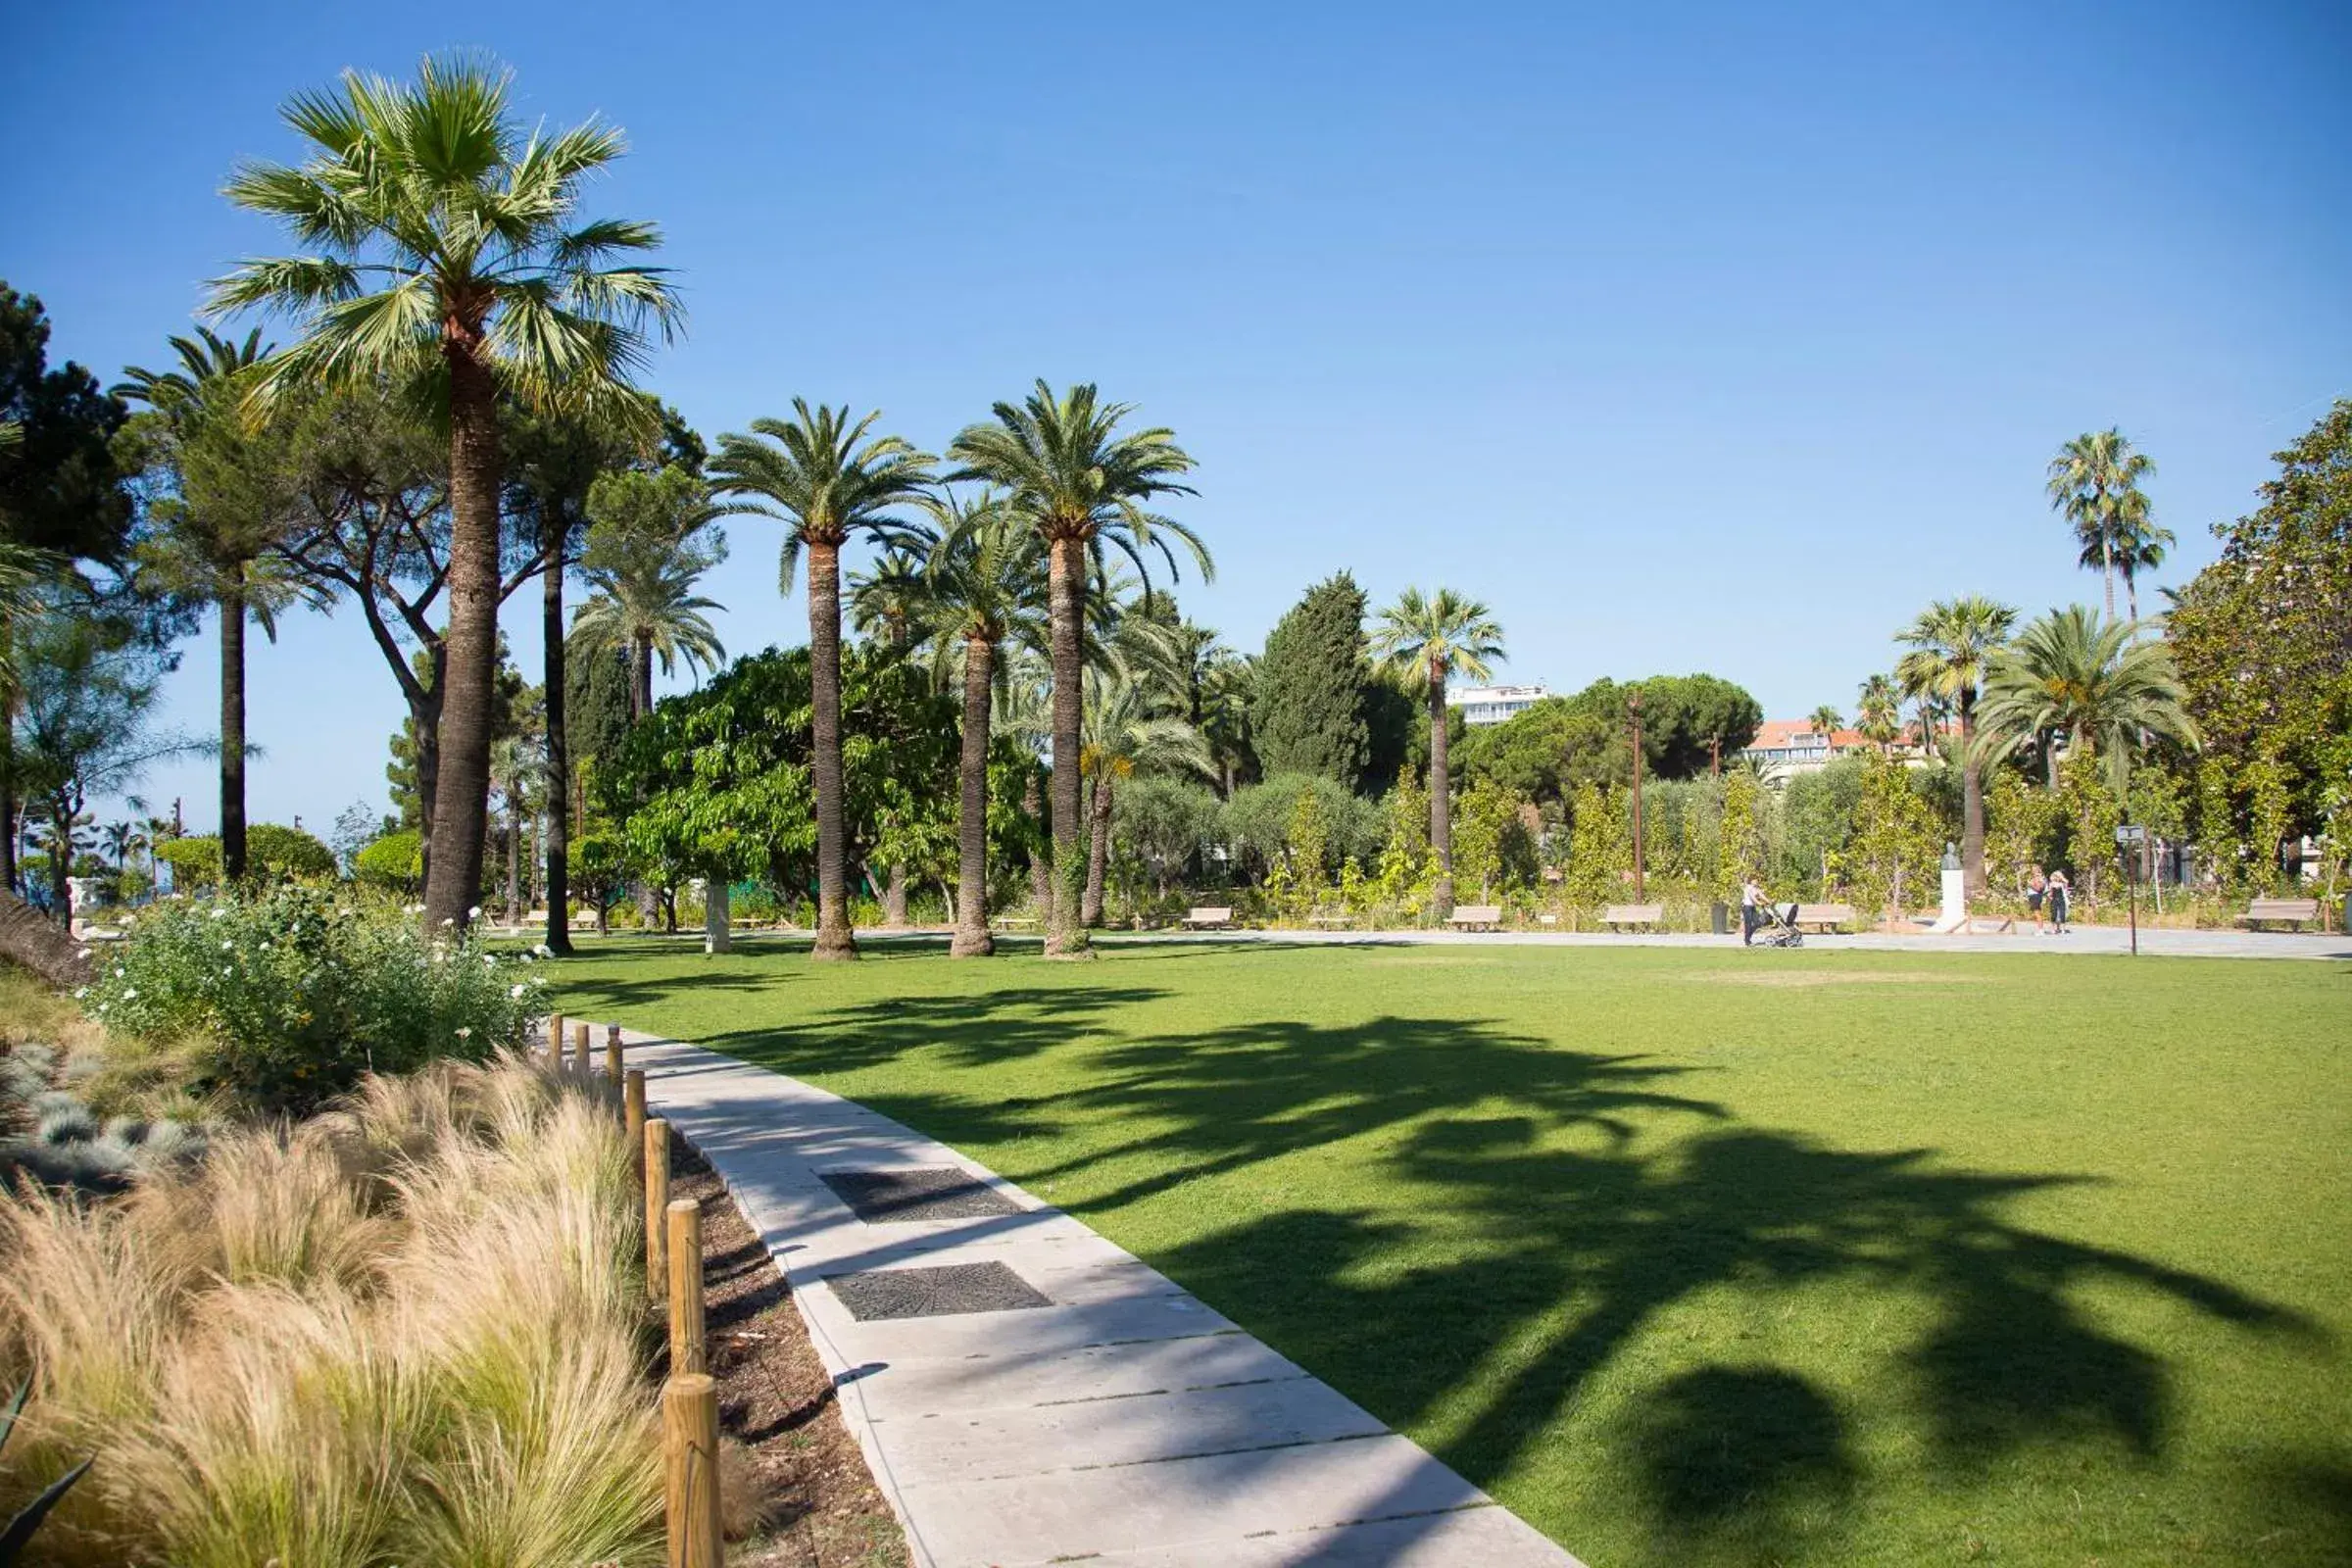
[(1491, 705)]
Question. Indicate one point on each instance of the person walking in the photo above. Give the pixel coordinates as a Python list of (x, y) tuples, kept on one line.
[(1752, 910), (2059, 894), (2037, 888)]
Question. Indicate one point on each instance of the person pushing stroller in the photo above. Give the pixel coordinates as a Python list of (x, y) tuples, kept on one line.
[(1757, 912)]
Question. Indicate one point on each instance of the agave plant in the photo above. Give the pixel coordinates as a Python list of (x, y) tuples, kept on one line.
[(20, 1531)]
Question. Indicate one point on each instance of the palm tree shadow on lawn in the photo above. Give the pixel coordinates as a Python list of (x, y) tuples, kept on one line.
[(1581, 1247)]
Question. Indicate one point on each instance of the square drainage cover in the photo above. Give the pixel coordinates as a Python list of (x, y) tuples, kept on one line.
[(933, 1292), (899, 1197)]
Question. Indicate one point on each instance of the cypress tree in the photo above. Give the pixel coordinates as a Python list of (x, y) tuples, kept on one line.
[(1308, 714)]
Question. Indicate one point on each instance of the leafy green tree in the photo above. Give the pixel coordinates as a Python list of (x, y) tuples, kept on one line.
[(1950, 645), (1165, 823), (2263, 639), (1309, 708), (2070, 674), (59, 489), (1492, 845), (2094, 483), (1082, 485), (1125, 736), (394, 863), (1600, 845), (449, 261), (1894, 844), (1740, 838), (1425, 640), (827, 481), (1687, 721), (650, 540), (220, 498)]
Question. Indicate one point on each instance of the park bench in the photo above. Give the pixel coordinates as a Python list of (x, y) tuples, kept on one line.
[(1476, 917), (2280, 911), (1208, 917), (1625, 916), (1825, 918), (1332, 921), (1013, 922)]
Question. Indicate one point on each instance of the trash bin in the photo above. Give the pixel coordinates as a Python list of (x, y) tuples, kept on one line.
[(1721, 914), (2347, 925)]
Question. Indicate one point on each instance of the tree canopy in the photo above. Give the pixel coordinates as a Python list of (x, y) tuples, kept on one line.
[(1308, 711), (59, 489)]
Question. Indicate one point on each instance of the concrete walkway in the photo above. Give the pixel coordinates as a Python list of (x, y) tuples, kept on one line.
[(2078, 939), (1025, 1391)]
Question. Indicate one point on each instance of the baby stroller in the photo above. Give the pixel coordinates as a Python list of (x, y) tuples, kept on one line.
[(1779, 929)]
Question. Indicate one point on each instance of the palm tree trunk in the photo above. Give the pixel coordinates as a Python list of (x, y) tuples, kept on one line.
[(1972, 804), (513, 852), (1065, 932), (1098, 853), (1041, 864), (1440, 806), (232, 729), (558, 755), (462, 797), (8, 765), (833, 936), (641, 678), (971, 940), (39, 945), (2107, 573)]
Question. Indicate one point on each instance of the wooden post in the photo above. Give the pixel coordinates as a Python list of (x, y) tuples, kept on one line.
[(688, 1352), (614, 1058), (657, 1205), (690, 1466), (579, 1050), (555, 1041), (632, 1116)]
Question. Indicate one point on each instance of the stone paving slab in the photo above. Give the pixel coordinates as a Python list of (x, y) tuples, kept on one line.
[(1124, 1422)]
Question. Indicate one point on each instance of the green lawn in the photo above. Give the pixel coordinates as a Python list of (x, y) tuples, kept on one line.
[(1688, 1256)]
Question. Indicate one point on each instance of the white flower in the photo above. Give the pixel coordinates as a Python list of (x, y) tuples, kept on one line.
[(412, 909), (225, 946), (131, 993), (117, 972), (474, 913), (515, 994), (81, 993), (226, 971), (265, 947), (449, 921), (465, 1032), (343, 913), (220, 915), (544, 951), (489, 961)]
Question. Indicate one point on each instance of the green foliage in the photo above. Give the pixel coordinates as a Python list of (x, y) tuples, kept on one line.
[(287, 996), (195, 861), (1601, 846), (1308, 711), (1741, 838), (2022, 828), (1895, 849), (1306, 843), (1543, 753), (59, 489), (1406, 876), (17, 1535), (1163, 824), (273, 853), (1256, 823), (1492, 844), (394, 864)]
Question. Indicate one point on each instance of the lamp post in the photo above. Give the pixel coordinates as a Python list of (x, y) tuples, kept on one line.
[(1633, 708), (2131, 839)]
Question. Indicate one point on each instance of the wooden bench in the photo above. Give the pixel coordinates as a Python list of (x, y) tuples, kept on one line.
[(1825, 918), (1625, 916), (1332, 923), (1209, 918), (1013, 922), (1476, 917), (2280, 911)]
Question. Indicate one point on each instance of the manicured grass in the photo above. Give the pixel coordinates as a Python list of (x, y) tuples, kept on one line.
[(1691, 1256)]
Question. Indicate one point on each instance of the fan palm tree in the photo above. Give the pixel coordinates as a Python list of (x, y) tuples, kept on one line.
[(2071, 674), (1126, 731), (1950, 645), (225, 500), (2139, 545), (448, 259), (2094, 484), (827, 480), (1826, 722), (1424, 640), (650, 539), (1069, 472), (1877, 712)]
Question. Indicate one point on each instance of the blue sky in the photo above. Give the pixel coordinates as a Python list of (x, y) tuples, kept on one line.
[(1687, 337)]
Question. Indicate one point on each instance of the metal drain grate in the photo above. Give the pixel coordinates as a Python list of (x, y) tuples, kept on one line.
[(901, 1196), (886, 1292)]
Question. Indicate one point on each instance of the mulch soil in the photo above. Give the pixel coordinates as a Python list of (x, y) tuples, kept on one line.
[(814, 1500)]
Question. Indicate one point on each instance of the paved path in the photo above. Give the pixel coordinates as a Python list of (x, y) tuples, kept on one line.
[(2078, 939), (1112, 1418)]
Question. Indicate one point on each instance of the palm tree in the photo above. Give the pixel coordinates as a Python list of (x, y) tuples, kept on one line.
[(984, 584), (1126, 731), (2092, 682), (1424, 640), (1081, 484), (120, 839), (450, 261), (2094, 484), (1877, 712), (648, 540), (1826, 722), (225, 499), (1950, 645), (2139, 545), (827, 481)]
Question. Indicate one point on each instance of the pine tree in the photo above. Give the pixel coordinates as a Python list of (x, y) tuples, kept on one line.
[(1310, 709)]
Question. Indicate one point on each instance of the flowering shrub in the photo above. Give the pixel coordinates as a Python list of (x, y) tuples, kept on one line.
[(287, 996)]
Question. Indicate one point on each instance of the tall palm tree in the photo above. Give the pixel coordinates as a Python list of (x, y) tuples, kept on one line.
[(1949, 644), (1127, 731), (448, 259), (2094, 484), (1071, 473), (650, 540), (223, 500), (2139, 545), (1877, 712), (1424, 640), (2071, 674), (983, 585), (828, 481), (1826, 721)]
